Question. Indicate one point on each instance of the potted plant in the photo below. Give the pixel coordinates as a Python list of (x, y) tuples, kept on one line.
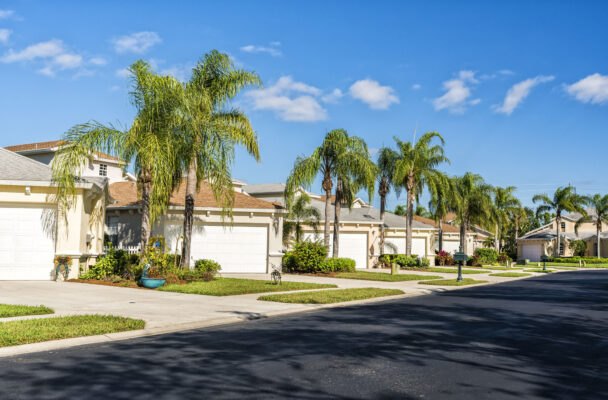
[(155, 265), (61, 260)]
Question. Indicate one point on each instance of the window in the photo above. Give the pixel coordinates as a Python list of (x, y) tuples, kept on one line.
[(103, 170), (112, 230), (563, 227), (561, 248)]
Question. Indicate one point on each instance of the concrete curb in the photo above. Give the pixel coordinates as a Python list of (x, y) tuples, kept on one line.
[(111, 337)]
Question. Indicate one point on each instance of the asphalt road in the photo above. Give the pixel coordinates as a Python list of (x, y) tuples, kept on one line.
[(545, 337)]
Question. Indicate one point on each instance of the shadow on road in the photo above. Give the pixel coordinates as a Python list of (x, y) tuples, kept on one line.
[(544, 337)]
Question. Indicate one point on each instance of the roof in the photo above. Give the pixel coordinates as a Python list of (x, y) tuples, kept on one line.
[(450, 216), (53, 145), (549, 234), (16, 167), (445, 227), (125, 194), (265, 188)]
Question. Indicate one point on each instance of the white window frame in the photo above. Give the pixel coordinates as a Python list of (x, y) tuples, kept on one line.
[(103, 169)]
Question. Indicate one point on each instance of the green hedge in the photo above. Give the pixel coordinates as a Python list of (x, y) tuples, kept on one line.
[(404, 261), (575, 259), (306, 257), (486, 256), (337, 265)]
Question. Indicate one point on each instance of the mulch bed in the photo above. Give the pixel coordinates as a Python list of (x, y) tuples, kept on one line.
[(129, 284)]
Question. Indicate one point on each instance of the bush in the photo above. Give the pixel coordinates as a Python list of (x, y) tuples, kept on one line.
[(503, 258), (306, 257), (337, 265), (444, 258), (105, 266), (576, 259), (288, 262), (204, 270), (486, 256), (579, 247)]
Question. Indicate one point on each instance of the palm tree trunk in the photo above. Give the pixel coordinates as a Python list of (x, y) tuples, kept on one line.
[(558, 222), (440, 235), (189, 213), (463, 236), (382, 211), (337, 207), (410, 216), (496, 239), (516, 227), (146, 189), (599, 231), (327, 187)]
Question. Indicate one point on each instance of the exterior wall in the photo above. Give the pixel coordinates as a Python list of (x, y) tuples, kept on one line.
[(73, 227), (271, 197), (44, 158), (129, 222)]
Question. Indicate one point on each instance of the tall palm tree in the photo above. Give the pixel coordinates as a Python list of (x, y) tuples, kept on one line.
[(340, 158), (471, 202), (387, 158), (564, 199), (300, 213), (148, 143), (519, 214), (416, 169), (600, 204), (440, 205), (210, 131), (421, 211), (504, 204)]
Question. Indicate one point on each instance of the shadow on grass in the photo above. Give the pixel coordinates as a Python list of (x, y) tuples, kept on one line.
[(543, 337)]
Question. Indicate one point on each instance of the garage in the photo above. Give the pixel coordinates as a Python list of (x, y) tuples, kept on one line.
[(238, 249), (27, 246), (352, 245), (531, 252), (451, 246), (397, 246)]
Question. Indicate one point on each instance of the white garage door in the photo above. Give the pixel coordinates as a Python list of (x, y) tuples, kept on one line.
[(451, 246), (531, 252), (27, 245), (398, 244), (352, 245), (238, 249)]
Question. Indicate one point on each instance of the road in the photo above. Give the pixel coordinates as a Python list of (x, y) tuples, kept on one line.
[(545, 337)]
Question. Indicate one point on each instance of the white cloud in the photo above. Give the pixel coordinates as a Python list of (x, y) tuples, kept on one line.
[(98, 61), (373, 94), (273, 51), (4, 35), (179, 71), (333, 97), (518, 92), (457, 93), (416, 86), (4, 14), (136, 42), (592, 89), (67, 61), (53, 53), (290, 100), (123, 73), (506, 72)]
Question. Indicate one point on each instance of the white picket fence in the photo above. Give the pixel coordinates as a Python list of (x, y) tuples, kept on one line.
[(128, 249)]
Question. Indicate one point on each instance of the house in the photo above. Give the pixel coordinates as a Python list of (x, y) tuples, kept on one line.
[(475, 236), (543, 240), (100, 164), (360, 228), (32, 228), (250, 242)]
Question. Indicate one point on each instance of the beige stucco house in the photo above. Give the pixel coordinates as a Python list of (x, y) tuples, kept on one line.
[(543, 240), (32, 228), (249, 242)]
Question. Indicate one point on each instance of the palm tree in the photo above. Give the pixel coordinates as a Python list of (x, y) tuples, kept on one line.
[(400, 210), (504, 204), (387, 158), (148, 143), (471, 202), (342, 158), (421, 211), (300, 213), (600, 204), (440, 205), (564, 199), (416, 169), (210, 133)]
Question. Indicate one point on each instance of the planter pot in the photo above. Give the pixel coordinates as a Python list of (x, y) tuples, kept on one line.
[(151, 283)]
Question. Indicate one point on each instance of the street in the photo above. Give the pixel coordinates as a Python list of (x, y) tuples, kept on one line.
[(545, 337)]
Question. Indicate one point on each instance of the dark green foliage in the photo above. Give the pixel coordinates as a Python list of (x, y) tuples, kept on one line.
[(338, 265), (305, 257), (576, 259), (503, 258), (486, 256), (444, 258), (578, 247)]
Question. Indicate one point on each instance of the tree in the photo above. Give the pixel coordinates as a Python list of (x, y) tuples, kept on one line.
[(472, 203), (421, 211), (386, 169), (209, 133), (300, 213), (416, 169), (504, 204), (564, 199), (340, 158), (400, 210), (148, 143), (440, 204), (600, 204)]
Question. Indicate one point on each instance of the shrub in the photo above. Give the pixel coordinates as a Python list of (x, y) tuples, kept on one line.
[(104, 267), (204, 270), (578, 247), (486, 256), (444, 258), (308, 257), (337, 265), (288, 262), (503, 258), (576, 259)]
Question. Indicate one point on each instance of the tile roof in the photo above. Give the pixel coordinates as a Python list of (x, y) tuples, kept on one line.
[(53, 144), (260, 188), (444, 226), (125, 194)]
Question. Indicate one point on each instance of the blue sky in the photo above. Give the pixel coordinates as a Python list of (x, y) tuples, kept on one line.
[(519, 90)]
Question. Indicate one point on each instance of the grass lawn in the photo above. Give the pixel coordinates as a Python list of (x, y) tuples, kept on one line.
[(538, 270), (455, 270), (234, 286), (549, 264), (10, 310), (565, 268), (510, 274), (452, 282), (26, 331), (330, 296), (379, 276), (502, 268)]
